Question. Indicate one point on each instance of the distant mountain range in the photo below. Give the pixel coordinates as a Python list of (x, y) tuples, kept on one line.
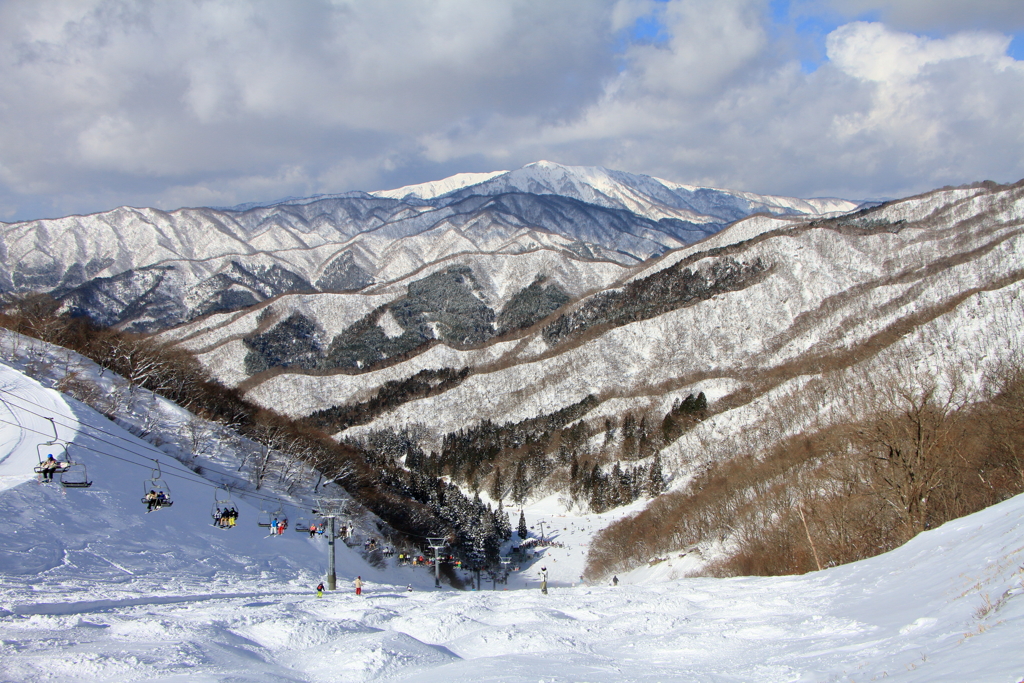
[(146, 270)]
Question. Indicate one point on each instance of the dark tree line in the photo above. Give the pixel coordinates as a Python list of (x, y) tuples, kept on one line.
[(649, 297), (391, 394)]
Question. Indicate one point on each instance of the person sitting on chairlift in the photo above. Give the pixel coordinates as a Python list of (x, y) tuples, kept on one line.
[(161, 499), (49, 467), (151, 500)]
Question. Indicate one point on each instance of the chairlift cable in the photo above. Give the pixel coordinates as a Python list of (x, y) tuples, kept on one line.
[(191, 477), (188, 474)]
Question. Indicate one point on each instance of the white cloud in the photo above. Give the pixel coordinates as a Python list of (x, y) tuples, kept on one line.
[(106, 102), (870, 51)]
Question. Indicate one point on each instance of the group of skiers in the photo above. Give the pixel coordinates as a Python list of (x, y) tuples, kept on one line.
[(225, 518), (155, 500), (278, 526)]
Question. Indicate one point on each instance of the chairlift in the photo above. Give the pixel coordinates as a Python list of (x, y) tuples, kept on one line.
[(222, 505), (263, 519), (302, 523), (278, 521), (75, 476), (281, 516), (156, 492), (49, 447)]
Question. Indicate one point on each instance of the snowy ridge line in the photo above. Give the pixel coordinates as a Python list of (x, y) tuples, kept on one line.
[(188, 475)]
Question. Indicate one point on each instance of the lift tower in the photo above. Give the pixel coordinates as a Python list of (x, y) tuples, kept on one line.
[(331, 509), (437, 544)]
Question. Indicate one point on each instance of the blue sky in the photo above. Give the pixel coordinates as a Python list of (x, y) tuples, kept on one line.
[(219, 102)]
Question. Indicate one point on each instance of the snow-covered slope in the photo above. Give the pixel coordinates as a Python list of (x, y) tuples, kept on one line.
[(437, 188), (647, 196), (100, 543), (94, 589)]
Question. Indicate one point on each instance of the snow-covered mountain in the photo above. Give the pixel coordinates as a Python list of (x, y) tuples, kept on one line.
[(646, 196), (767, 293), (150, 269)]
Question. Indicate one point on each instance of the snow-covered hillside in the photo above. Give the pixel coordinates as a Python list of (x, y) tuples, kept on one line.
[(58, 536), (92, 588), (923, 269)]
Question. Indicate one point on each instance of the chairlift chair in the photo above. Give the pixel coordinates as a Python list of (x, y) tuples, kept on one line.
[(75, 477), (263, 519), (48, 448), (302, 523), (222, 503), (156, 483)]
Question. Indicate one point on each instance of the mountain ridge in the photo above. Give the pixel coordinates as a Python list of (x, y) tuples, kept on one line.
[(226, 259)]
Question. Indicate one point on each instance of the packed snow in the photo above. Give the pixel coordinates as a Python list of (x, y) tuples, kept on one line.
[(94, 588)]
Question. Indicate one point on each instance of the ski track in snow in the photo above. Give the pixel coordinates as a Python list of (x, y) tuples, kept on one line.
[(94, 589)]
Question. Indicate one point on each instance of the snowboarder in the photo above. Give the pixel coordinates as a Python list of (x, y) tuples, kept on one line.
[(544, 580), (49, 467), (359, 585), (615, 581), (320, 590)]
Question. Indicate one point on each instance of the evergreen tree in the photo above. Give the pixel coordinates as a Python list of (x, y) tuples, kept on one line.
[(497, 491), (700, 404), (655, 479), (520, 488), (521, 530), (502, 524)]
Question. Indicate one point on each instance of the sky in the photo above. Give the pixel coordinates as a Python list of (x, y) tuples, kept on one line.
[(167, 103)]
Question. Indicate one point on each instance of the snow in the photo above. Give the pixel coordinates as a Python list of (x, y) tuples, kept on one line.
[(94, 589), (436, 188)]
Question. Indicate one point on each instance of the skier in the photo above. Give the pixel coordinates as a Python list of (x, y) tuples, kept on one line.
[(409, 589), (150, 500), (544, 580), (312, 530), (615, 581), (320, 590), (49, 467), (359, 585)]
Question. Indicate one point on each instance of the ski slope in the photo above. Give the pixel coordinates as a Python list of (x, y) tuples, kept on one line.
[(94, 589)]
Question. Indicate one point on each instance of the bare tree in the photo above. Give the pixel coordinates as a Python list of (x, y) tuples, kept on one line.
[(912, 446)]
